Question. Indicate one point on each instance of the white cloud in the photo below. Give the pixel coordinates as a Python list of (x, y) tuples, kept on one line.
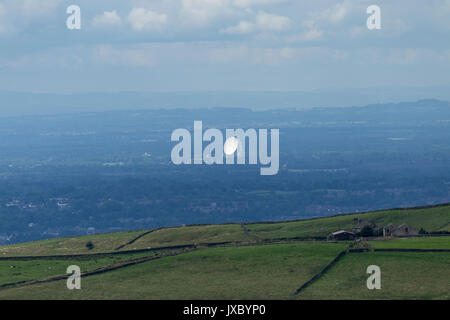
[(263, 22), (108, 18), (318, 21), (250, 3), (142, 19), (272, 22), (313, 34), (18, 14), (201, 12), (33, 7), (337, 13), (331, 15), (243, 27)]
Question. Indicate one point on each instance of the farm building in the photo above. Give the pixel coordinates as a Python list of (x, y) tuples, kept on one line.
[(402, 230), (342, 235), (360, 224), (387, 230)]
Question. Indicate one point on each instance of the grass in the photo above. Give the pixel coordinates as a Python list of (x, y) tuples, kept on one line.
[(12, 271), (190, 235), (76, 245), (413, 243), (410, 275), (431, 219), (253, 272)]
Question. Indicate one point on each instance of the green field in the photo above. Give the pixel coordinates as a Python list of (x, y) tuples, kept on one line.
[(409, 275), (76, 245), (254, 272), (413, 243), (256, 261), (191, 235), (12, 271)]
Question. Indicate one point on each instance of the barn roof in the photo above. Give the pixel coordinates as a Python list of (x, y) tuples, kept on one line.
[(341, 232)]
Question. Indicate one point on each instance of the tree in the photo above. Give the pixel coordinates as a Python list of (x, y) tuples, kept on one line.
[(90, 245), (367, 231)]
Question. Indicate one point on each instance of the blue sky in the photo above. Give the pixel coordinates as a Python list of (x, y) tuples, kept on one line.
[(198, 45)]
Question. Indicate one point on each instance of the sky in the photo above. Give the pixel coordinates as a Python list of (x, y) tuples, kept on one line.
[(222, 45)]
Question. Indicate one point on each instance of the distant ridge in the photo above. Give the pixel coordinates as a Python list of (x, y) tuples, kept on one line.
[(26, 103)]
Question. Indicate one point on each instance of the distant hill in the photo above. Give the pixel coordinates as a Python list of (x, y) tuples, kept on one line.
[(26, 103)]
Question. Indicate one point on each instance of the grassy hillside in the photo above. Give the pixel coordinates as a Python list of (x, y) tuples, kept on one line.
[(431, 219), (191, 235), (76, 245), (245, 262)]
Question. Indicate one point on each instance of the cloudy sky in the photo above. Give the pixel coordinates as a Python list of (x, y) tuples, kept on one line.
[(197, 45)]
